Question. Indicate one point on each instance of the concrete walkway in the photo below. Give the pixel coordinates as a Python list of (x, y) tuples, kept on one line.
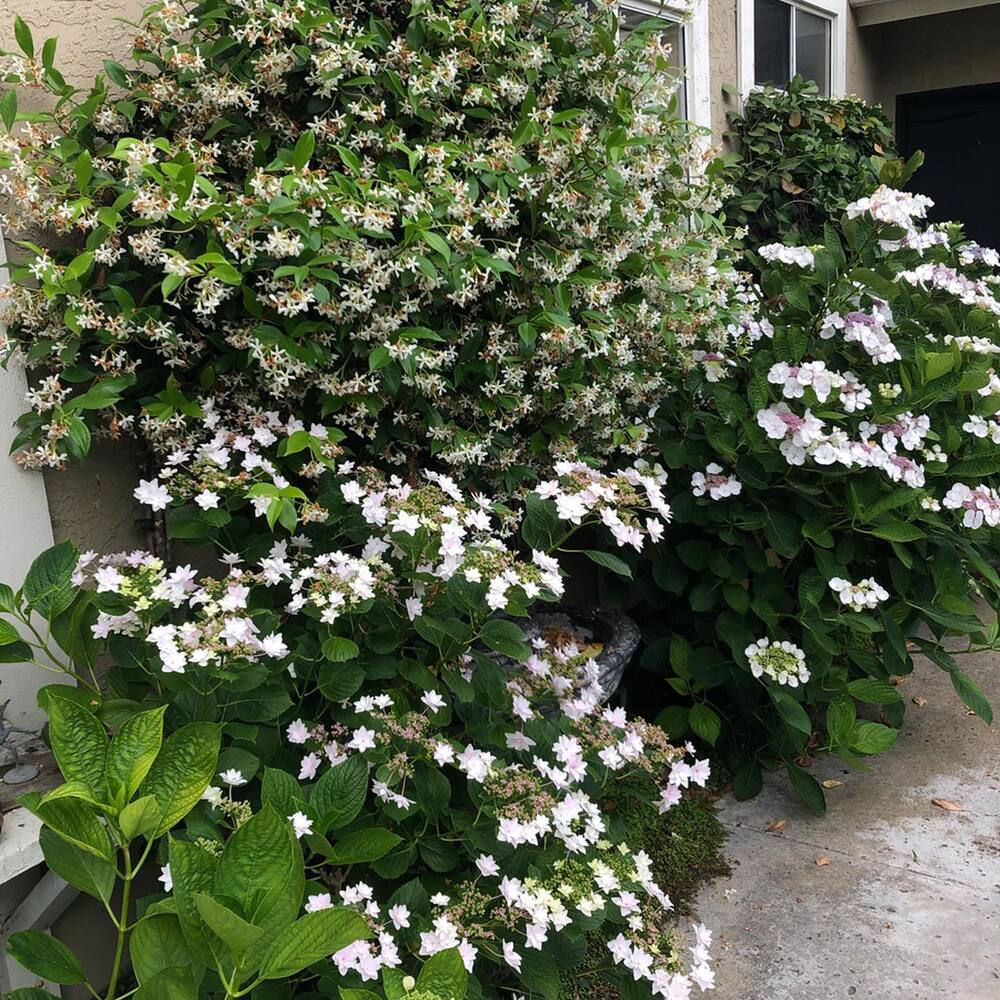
[(888, 896)]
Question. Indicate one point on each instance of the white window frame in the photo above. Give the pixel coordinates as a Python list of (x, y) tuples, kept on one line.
[(834, 10), (693, 18)]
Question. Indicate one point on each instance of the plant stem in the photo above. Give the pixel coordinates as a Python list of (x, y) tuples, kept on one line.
[(122, 925)]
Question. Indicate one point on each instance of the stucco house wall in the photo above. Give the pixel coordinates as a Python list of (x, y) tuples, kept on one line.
[(957, 49), (91, 504)]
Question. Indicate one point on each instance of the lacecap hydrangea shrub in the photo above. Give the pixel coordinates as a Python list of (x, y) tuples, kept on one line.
[(410, 800), (470, 234), (844, 507)]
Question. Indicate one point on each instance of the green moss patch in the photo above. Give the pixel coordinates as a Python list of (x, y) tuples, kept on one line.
[(685, 845)]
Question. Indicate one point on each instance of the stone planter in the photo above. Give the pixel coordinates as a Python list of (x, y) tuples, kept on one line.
[(614, 631)]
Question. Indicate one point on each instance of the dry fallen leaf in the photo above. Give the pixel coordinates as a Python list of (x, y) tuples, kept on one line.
[(777, 825), (920, 701), (790, 187), (795, 119), (878, 148), (949, 805), (832, 783), (822, 862)]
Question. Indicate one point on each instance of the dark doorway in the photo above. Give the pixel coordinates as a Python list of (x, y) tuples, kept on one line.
[(959, 131)]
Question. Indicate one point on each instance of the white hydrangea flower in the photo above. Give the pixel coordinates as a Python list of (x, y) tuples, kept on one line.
[(860, 596), (798, 256), (782, 661)]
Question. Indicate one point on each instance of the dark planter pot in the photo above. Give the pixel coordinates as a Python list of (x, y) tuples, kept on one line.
[(615, 631)]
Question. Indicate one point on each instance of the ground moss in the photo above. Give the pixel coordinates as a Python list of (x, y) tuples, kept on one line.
[(685, 846), (684, 843)]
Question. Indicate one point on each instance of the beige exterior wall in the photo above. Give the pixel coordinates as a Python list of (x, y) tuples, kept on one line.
[(89, 31), (958, 49), (723, 59), (862, 61), (91, 504)]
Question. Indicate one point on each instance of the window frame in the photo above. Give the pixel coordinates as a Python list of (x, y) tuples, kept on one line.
[(835, 11), (692, 15)]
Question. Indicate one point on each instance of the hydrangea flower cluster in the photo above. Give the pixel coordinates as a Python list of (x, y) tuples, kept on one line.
[(870, 330), (981, 504), (782, 661), (715, 483), (862, 596), (892, 207), (782, 254), (806, 436), (581, 491), (795, 379)]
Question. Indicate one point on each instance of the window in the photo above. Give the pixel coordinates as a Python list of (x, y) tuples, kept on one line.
[(685, 24), (781, 38), (632, 16), (790, 40)]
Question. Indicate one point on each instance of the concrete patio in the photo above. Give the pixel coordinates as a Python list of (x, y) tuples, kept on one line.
[(887, 896)]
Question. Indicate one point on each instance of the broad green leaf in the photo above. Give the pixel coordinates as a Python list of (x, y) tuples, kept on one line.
[(261, 870), (76, 790), (182, 770), (8, 601), (364, 845), (48, 586), (8, 633), (840, 715), (872, 737), (609, 561), (808, 787), (46, 957), (937, 365), (73, 820), (72, 630), (445, 975), (792, 713), (133, 750), (311, 938), (79, 744), (874, 691), (304, 148), (340, 793), (139, 818), (433, 790), (281, 790), (29, 993), (192, 870), (542, 528), (748, 780), (157, 945), (339, 649), (680, 655), (8, 108), (82, 869), (705, 722), (505, 637), (172, 984), (237, 934), (338, 681), (22, 35), (972, 695), (897, 531), (540, 974)]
